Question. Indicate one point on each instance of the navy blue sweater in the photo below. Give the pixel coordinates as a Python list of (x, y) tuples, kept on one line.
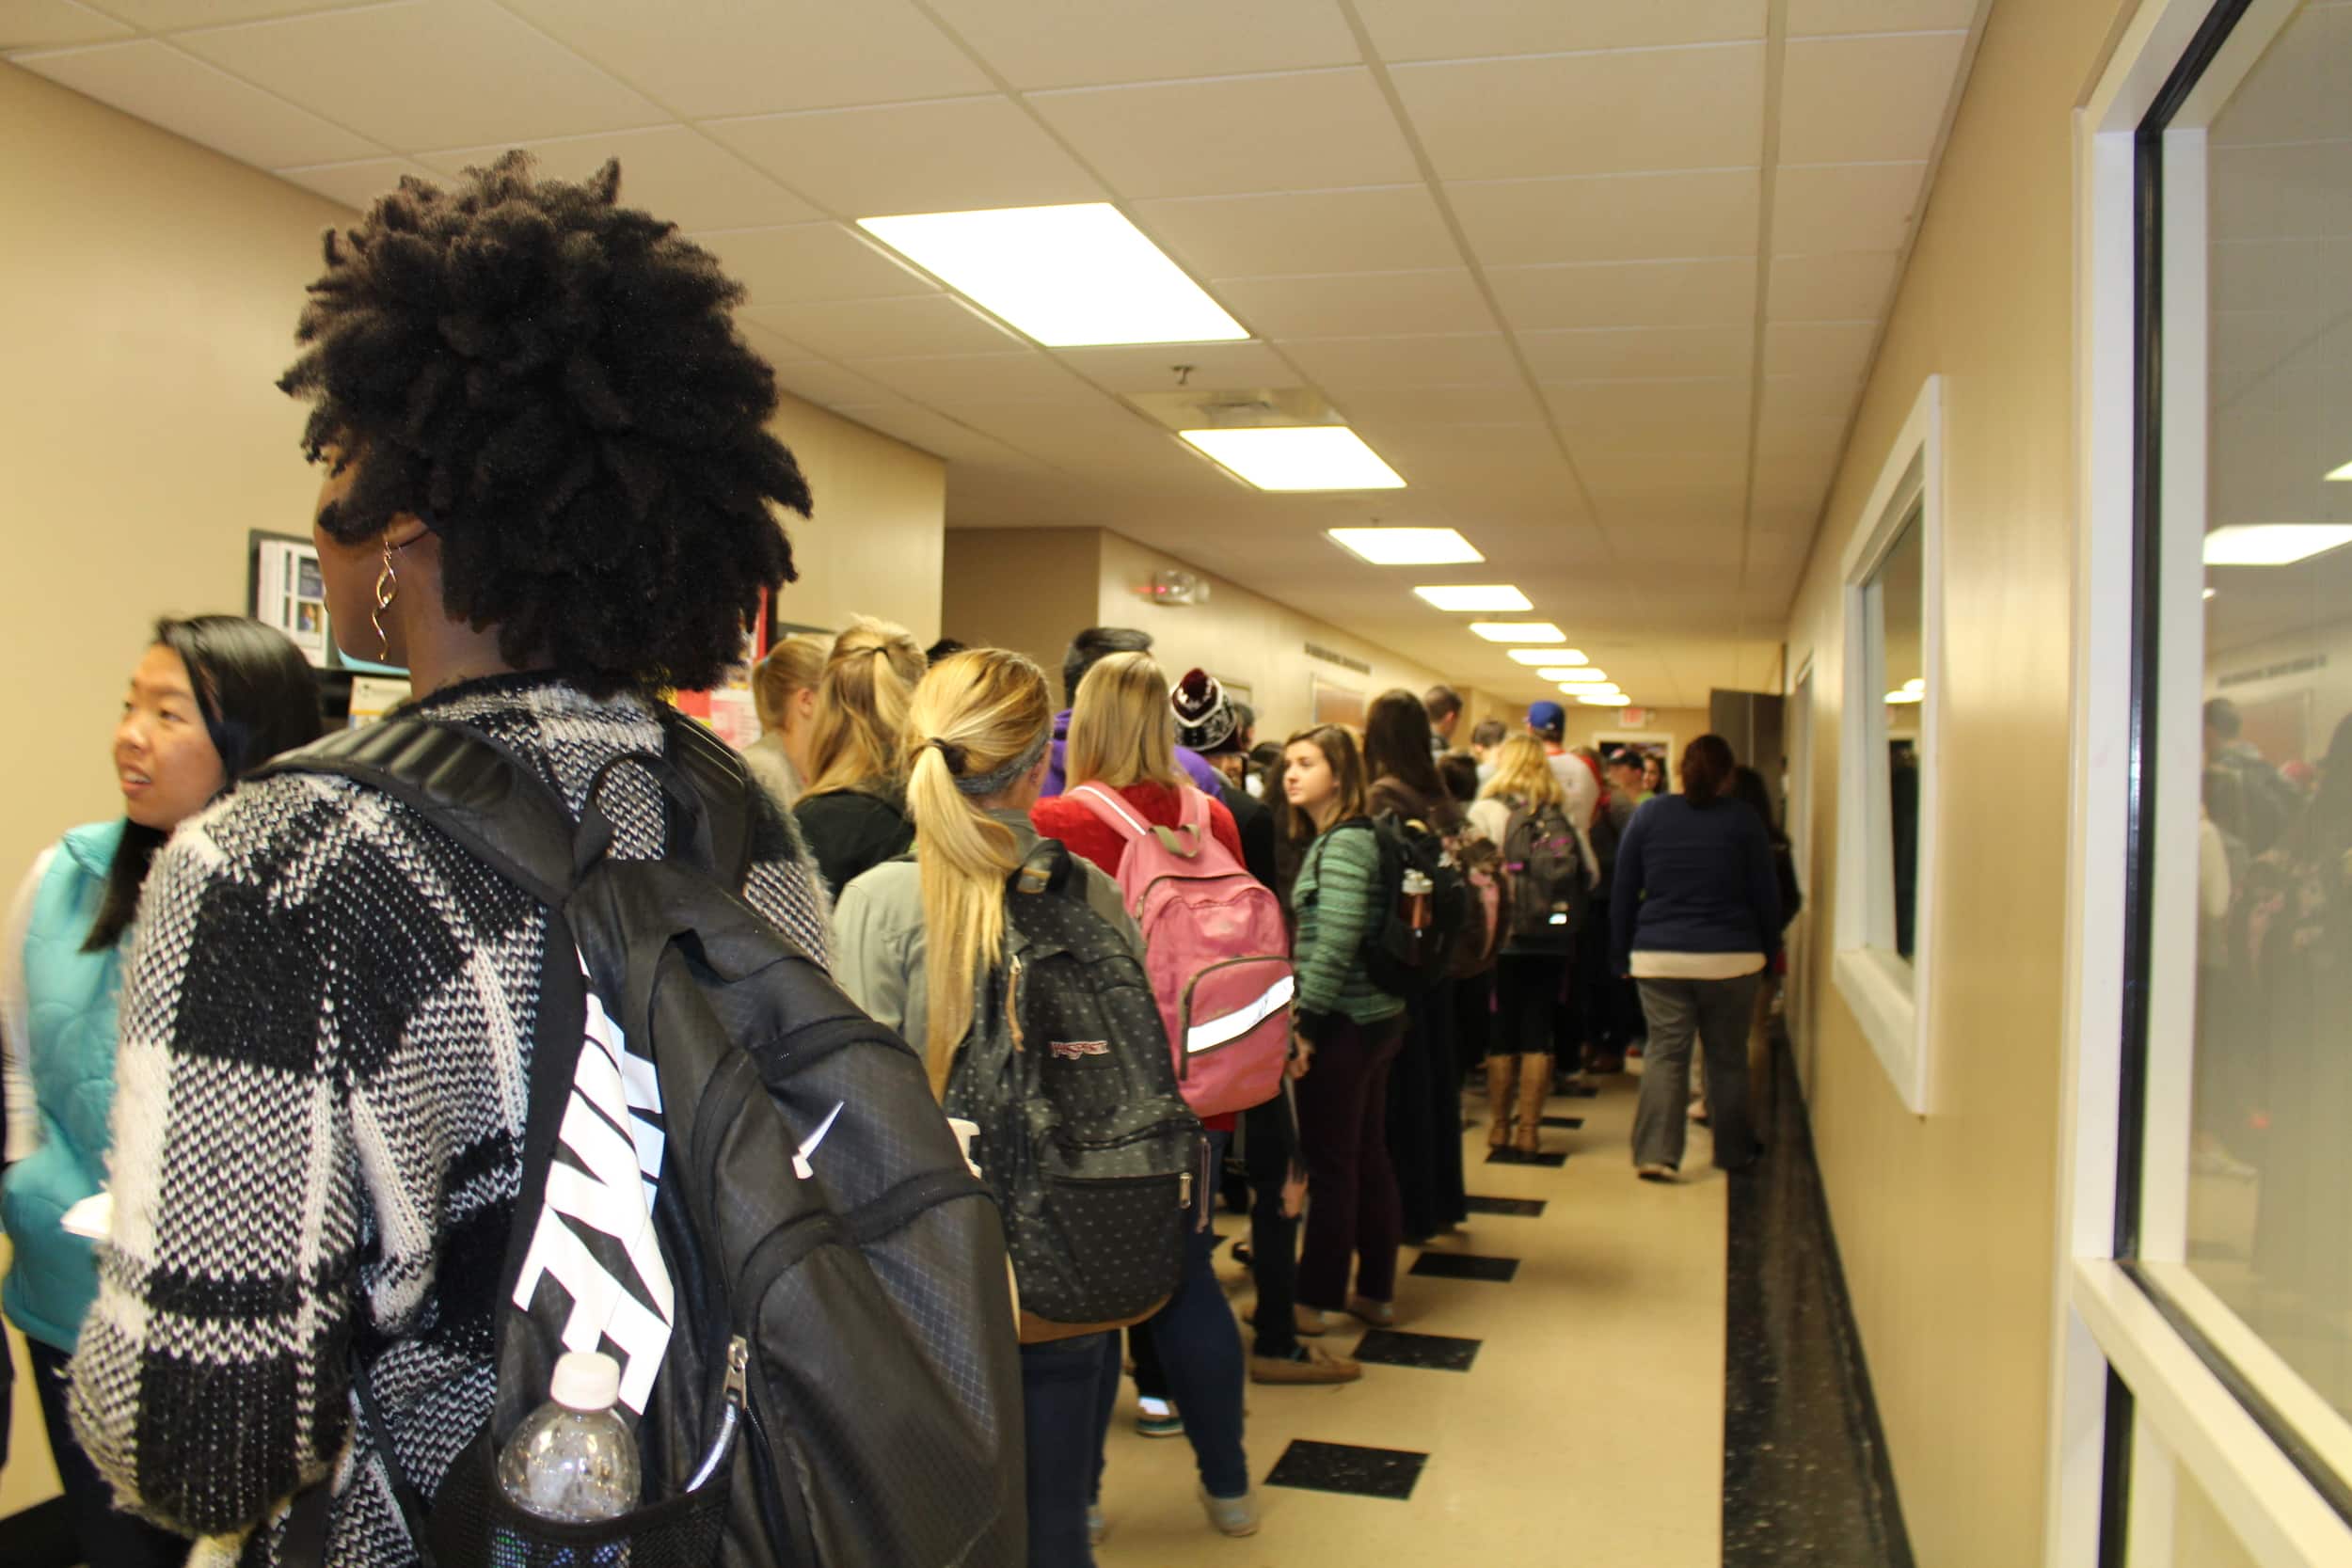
[(1693, 879)]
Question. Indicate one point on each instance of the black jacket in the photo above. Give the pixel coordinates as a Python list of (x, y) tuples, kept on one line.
[(851, 831)]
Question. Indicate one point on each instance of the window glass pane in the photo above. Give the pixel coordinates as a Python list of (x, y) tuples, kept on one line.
[(2271, 1184), (1899, 592), (2175, 1523)]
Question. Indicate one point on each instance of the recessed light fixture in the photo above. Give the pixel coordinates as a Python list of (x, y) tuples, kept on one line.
[(1404, 546), (1490, 595), (1906, 696), (1917, 683), (1606, 699), (1575, 674), (1298, 457), (1545, 655), (2342, 475), (1526, 631), (1066, 276), (2211, 592), (2273, 544)]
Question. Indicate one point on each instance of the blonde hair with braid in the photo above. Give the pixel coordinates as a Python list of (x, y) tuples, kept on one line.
[(861, 706), (975, 713)]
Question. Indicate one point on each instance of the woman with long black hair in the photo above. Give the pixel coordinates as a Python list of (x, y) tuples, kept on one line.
[(212, 699)]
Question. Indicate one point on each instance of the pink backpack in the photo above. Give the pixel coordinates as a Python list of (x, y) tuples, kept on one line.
[(1215, 949)]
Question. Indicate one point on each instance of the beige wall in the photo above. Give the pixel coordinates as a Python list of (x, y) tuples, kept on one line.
[(1944, 1223), (1022, 589), (148, 293)]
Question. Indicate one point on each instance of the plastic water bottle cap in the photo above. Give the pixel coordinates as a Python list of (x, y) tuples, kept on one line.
[(586, 1380)]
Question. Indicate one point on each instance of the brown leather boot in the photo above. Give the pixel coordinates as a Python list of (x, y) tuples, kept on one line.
[(1499, 1070), (1534, 1082)]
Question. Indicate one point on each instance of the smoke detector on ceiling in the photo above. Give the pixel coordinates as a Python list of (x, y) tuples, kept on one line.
[(1175, 586)]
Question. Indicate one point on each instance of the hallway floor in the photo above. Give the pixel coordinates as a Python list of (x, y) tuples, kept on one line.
[(1588, 1427)]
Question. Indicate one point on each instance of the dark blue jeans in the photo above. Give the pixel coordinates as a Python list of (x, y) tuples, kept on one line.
[(1200, 1350), (1061, 1387)]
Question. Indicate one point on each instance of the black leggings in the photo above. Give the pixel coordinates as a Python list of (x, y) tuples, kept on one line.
[(1527, 989)]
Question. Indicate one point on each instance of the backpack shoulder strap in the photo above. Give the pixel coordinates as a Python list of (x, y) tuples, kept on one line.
[(1116, 812), (717, 775), (466, 785)]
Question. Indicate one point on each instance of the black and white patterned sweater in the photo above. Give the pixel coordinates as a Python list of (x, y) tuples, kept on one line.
[(325, 1040)]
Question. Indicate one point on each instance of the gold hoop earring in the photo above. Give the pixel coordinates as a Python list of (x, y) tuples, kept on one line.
[(386, 588)]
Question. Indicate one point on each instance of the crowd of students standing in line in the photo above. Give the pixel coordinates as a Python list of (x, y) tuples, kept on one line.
[(286, 1019)]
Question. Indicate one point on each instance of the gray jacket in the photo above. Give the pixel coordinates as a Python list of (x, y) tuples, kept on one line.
[(878, 932)]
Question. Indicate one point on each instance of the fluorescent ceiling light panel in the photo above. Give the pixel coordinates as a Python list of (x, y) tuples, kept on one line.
[(1491, 596), (1906, 696), (2342, 475), (1298, 457), (1917, 683), (1406, 547), (1575, 674), (1066, 276), (1612, 699), (2211, 592), (1527, 631), (2273, 544), (1545, 655)]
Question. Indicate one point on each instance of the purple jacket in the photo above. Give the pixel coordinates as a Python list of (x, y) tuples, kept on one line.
[(1194, 765)]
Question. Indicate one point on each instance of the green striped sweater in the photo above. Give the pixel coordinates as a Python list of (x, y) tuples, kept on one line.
[(1337, 897)]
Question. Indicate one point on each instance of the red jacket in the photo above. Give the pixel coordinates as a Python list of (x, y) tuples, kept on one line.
[(1087, 836)]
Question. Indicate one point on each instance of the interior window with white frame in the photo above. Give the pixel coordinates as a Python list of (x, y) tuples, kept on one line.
[(1885, 808)]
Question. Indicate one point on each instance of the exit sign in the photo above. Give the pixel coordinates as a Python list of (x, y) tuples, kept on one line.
[(1636, 717)]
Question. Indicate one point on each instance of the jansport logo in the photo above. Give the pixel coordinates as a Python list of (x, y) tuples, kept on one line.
[(1072, 1049)]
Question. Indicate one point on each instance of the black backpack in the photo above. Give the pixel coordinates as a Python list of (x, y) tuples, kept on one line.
[(1091, 1151), (840, 1384), (1550, 888), (1416, 944)]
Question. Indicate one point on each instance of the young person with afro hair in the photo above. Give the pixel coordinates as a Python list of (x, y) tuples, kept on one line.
[(549, 492)]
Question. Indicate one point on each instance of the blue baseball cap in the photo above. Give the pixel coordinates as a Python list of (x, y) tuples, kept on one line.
[(1548, 717)]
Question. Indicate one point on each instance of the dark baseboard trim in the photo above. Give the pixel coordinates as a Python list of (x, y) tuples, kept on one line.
[(1806, 1478)]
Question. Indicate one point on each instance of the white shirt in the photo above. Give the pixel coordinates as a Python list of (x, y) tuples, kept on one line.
[(24, 1134)]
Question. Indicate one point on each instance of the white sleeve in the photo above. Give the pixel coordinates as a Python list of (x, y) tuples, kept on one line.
[(23, 1133)]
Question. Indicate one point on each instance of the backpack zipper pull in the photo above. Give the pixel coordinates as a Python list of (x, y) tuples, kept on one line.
[(734, 1408)]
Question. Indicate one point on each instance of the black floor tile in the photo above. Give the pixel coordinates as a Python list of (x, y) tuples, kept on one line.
[(1436, 1352), (1526, 1208), (1344, 1467), (1571, 1123), (1553, 1157), (1465, 1265)]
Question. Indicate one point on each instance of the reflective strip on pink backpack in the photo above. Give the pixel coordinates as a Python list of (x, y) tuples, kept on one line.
[(1215, 948)]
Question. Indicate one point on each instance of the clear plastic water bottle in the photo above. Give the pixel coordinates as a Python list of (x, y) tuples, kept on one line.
[(573, 1458)]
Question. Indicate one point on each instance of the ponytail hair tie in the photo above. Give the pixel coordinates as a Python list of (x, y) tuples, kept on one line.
[(953, 752)]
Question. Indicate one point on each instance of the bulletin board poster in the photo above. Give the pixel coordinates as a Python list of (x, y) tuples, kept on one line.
[(290, 592), (728, 707)]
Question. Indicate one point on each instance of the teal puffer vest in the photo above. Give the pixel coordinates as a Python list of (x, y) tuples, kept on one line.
[(71, 1000)]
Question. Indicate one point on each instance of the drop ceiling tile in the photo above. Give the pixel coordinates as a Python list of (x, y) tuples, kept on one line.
[(882, 328), (1838, 207), (1809, 18), (1378, 228), (1296, 131), (816, 381), (1845, 99), (1629, 353), (1837, 350), (810, 263), (1093, 434), (1844, 287), (1419, 30), (427, 73), (709, 59), (933, 432), (50, 23), (166, 87), (1636, 293), (1645, 110), (1650, 416), (1642, 489), (1788, 430), (2297, 92), (1471, 402), (1812, 394), (1797, 485), (669, 170), (357, 183), (1024, 376), (1362, 303), (1626, 217), (1340, 364), (953, 155), (1068, 43), (1152, 367), (156, 16), (2289, 191), (772, 346)]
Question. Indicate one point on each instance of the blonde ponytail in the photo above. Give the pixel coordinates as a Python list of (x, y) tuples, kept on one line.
[(861, 706), (975, 724)]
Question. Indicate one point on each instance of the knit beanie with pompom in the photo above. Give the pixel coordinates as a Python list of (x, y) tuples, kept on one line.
[(1204, 717)]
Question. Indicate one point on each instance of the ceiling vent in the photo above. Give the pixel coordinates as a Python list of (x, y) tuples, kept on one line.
[(1236, 408)]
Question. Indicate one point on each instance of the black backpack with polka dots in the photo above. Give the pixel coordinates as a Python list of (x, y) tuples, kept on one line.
[(1090, 1149)]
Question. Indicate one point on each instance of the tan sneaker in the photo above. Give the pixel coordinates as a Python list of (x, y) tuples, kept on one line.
[(1380, 1314), (1312, 1364), (1309, 1321)]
